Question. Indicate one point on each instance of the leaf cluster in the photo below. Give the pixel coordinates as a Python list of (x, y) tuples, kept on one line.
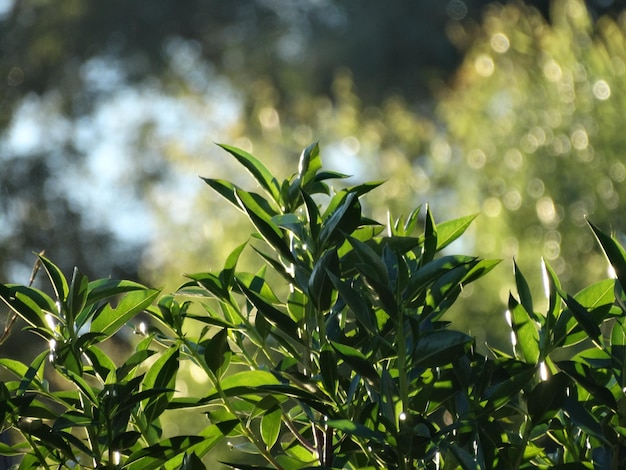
[(335, 354)]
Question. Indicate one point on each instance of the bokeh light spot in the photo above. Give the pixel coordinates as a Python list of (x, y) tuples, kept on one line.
[(546, 211), (457, 10), (601, 90), (500, 43), (492, 207), (579, 139), (476, 159), (484, 65), (552, 71)]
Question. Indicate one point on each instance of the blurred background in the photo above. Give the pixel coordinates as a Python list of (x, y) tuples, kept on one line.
[(109, 111)]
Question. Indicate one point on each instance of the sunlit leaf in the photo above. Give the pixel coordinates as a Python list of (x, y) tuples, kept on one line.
[(451, 230), (263, 176), (526, 330), (111, 319)]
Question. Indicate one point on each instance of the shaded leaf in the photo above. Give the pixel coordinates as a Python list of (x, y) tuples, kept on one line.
[(439, 347)]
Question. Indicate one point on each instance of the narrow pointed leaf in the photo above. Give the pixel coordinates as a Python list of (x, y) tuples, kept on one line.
[(59, 283), (449, 231), (526, 331), (261, 219), (523, 290), (263, 176), (310, 163), (614, 253)]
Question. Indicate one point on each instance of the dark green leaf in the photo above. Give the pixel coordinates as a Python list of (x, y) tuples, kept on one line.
[(614, 253), (328, 370), (320, 285), (271, 313), (102, 289), (261, 219), (158, 455), (357, 361), (581, 314), (430, 238), (523, 290), (343, 221), (161, 376), (355, 301), (439, 347), (217, 353), (192, 462), (584, 375), (355, 429), (547, 398), (77, 296)]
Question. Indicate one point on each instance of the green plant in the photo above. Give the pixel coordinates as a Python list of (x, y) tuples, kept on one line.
[(334, 354)]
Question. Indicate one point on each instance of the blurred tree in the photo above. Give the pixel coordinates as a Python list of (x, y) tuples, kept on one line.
[(533, 121), (99, 98)]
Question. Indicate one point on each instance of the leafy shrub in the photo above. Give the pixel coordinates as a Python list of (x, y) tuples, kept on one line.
[(335, 354)]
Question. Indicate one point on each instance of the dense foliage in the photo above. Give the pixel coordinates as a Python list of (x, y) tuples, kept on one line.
[(335, 354)]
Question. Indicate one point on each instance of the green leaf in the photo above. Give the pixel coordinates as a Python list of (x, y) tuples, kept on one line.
[(224, 188), (263, 176), (598, 300), (430, 238), (110, 320), (310, 163), (159, 455), (357, 361), (614, 253), (523, 290), (242, 383), (343, 221), (355, 429), (547, 398), (217, 353), (449, 231), (261, 219), (227, 274), (161, 376), (101, 363), (464, 458), (328, 370), (192, 462), (77, 296), (102, 289), (270, 426), (428, 273), (320, 285), (584, 375), (440, 347), (271, 313), (22, 300), (526, 331), (357, 304), (59, 283), (581, 314)]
